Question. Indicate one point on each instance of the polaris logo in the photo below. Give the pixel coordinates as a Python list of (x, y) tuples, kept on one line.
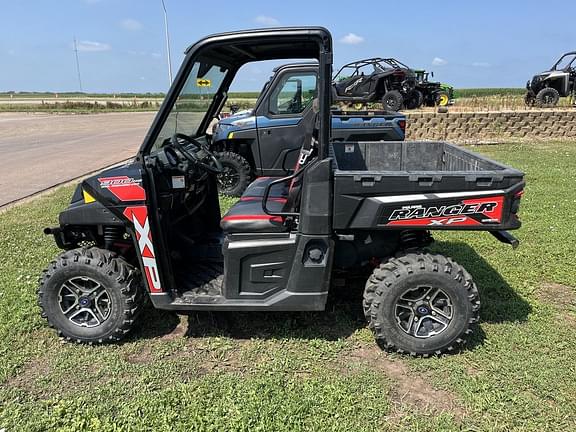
[(419, 212), (354, 84)]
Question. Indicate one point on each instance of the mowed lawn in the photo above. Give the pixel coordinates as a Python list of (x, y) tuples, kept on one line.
[(312, 371)]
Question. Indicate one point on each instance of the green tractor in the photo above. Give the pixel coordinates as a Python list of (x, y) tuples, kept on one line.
[(429, 93)]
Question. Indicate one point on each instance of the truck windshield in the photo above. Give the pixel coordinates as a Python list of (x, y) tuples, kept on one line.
[(193, 101)]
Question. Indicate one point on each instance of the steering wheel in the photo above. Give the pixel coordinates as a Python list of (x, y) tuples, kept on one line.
[(197, 158)]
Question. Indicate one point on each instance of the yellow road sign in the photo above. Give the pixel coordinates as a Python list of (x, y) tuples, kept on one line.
[(201, 82)]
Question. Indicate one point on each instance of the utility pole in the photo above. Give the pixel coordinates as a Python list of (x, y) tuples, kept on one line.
[(167, 43), (77, 64)]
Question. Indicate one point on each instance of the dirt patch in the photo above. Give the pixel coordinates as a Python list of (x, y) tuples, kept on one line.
[(561, 297), (144, 356), (26, 380), (557, 295), (179, 331), (410, 390)]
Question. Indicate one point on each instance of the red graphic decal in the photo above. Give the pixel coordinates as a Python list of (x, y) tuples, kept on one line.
[(124, 188), (139, 216), (477, 211), (494, 213), (442, 221)]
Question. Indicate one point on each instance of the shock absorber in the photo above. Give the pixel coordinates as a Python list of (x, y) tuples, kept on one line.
[(413, 239), (111, 235)]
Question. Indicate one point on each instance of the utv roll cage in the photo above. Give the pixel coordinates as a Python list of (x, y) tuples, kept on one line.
[(573, 53), (233, 50), (380, 64)]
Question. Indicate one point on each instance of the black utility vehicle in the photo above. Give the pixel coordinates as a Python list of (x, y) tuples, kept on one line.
[(384, 80), (546, 88), (265, 141), (152, 228)]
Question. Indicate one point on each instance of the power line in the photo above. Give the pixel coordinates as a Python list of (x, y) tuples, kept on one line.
[(77, 64), (167, 43)]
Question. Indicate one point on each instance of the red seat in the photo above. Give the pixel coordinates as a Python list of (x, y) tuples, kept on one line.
[(249, 217)]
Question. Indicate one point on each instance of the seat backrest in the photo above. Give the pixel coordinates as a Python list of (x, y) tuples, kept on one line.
[(307, 153)]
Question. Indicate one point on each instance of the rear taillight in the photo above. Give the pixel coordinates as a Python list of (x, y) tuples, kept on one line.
[(402, 124), (515, 207)]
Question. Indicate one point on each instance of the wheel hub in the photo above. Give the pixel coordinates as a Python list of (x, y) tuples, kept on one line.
[(84, 301), (424, 311), (228, 178)]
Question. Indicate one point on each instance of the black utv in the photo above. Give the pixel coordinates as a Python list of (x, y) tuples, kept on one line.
[(153, 228), (546, 88), (384, 80)]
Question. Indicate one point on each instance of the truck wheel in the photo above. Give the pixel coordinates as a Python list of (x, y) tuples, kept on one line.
[(90, 295), (392, 100), (421, 304), (236, 175), (547, 97)]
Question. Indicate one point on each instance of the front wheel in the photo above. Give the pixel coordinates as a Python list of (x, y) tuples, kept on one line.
[(421, 304), (236, 174), (90, 295), (547, 97)]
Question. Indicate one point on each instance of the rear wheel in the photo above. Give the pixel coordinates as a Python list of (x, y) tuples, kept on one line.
[(90, 295), (547, 97), (392, 100), (442, 98), (421, 304), (236, 174), (415, 100)]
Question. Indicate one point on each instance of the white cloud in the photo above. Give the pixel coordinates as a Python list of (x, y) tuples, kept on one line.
[(266, 20), (437, 61), (481, 64), (352, 39), (90, 46), (131, 24), (156, 55)]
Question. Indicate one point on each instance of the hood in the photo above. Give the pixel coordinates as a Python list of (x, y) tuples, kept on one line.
[(550, 74), (240, 115)]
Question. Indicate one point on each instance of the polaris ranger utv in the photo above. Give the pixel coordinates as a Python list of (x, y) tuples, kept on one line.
[(152, 227), (265, 141), (545, 89)]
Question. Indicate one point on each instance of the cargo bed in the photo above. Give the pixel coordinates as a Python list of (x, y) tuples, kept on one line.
[(420, 184)]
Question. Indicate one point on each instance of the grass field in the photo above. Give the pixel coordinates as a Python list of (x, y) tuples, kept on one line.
[(481, 99), (311, 371)]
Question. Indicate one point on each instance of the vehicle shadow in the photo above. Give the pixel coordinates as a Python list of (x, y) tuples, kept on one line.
[(343, 315), (500, 303)]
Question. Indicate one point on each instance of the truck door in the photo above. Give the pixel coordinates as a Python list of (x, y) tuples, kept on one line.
[(285, 120)]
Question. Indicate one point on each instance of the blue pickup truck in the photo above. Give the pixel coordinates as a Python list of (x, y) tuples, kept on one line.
[(265, 141)]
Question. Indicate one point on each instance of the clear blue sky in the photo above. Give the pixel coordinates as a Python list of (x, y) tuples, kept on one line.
[(466, 43)]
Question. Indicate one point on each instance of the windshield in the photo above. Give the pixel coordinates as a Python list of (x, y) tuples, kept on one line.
[(193, 101), (564, 62)]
